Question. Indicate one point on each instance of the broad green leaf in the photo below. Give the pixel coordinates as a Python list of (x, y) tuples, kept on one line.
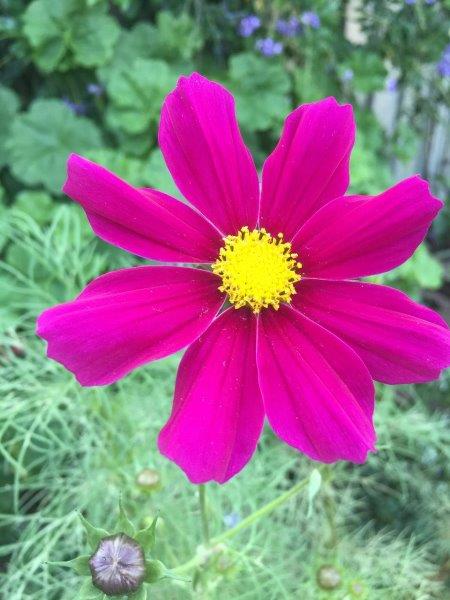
[(137, 93), (9, 104), (159, 176), (42, 139), (421, 271), (132, 44), (93, 38), (68, 33), (261, 91), (175, 37)]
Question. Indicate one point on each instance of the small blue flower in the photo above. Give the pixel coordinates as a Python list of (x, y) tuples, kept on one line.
[(269, 47), (95, 89), (443, 66), (347, 75), (410, 2), (430, 2), (391, 84), (311, 19), (288, 27), (75, 107), (231, 520), (248, 25)]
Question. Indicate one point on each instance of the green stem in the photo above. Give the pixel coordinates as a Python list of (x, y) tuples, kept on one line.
[(203, 514), (252, 518)]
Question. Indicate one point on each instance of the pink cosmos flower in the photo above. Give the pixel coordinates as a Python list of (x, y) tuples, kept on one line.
[(302, 339)]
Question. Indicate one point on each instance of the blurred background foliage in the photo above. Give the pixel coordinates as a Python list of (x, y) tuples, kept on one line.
[(89, 76)]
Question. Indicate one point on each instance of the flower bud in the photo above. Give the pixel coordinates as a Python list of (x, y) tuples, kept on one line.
[(148, 479), (118, 565), (328, 577)]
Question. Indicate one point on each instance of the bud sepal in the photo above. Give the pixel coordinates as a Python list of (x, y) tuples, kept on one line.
[(119, 565)]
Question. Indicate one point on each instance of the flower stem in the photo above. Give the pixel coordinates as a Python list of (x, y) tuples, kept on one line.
[(203, 513), (254, 516)]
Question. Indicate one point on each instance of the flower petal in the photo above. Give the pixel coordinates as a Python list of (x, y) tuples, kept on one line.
[(218, 413), (317, 392), (145, 222), (398, 340), (309, 166), (357, 236), (127, 318), (204, 151)]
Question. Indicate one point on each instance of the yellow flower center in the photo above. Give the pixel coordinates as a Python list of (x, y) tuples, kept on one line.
[(257, 269)]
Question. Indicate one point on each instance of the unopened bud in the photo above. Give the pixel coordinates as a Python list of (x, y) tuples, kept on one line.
[(118, 565), (148, 479), (328, 577)]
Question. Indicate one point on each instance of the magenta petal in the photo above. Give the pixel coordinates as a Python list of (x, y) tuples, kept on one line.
[(204, 151), (399, 341), (357, 236), (317, 392), (145, 222), (217, 414), (309, 166), (127, 318)]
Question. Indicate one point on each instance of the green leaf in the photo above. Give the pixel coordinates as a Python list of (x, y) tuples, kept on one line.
[(42, 139), (10, 105), (154, 570), (147, 537), (141, 594), (132, 44), (39, 205), (315, 481), (124, 525), (137, 93), (261, 91), (175, 37), (80, 564), (68, 33), (93, 534), (159, 176), (369, 72), (88, 591), (421, 271), (93, 38)]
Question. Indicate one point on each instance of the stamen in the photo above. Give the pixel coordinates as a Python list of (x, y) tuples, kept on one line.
[(257, 269)]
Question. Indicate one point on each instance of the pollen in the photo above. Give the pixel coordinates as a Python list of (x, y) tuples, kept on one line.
[(257, 269)]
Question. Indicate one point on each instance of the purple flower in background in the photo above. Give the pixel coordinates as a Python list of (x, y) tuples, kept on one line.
[(430, 2), (78, 108), (347, 75), (95, 89), (288, 27), (269, 47), (118, 565), (391, 84), (443, 66), (410, 2), (311, 19), (248, 25)]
